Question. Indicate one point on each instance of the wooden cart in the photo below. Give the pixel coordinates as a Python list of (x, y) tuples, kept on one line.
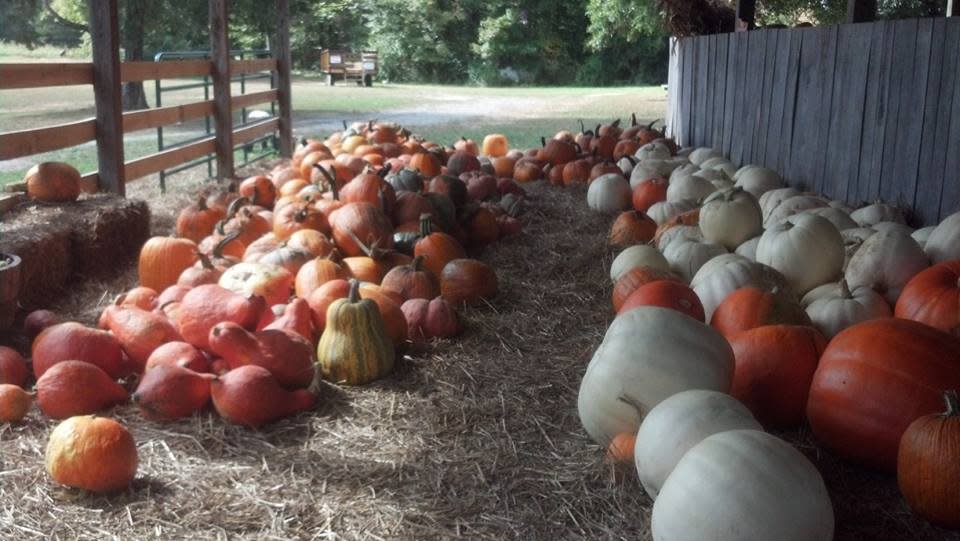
[(339, 65)]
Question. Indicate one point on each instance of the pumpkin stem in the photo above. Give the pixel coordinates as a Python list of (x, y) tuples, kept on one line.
[(204, 260), (616, 123), (543, 141), (385, 170), (631, 159), (633, 119), (344, 125), (235, 206), (227, 239), (578, 147), (219, 227), (596, 131), (303, 141), (354, 295), (582, 130), (845, 289), (425, 228), (952, 400), (201, 202), (652, 122), (417, 263)]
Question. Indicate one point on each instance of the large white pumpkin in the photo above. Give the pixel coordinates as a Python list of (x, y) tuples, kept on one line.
[(794, 205), (886, 262), (692, 187), (730, 217), (943, 244), (702, 154), (770, 200), (892, 226), (840, 219), (806, 248), (609, 194), (647, 355), (662, 211), (647, 169), (724, 274), (757, 180), (677, 424), (626, 164), (678, 233), (684, 170), (638, 255), (743, 485), (720, 164), (653, 150), (876, 213), (748, 249), (687, 257), (838, 308), (921, 235)]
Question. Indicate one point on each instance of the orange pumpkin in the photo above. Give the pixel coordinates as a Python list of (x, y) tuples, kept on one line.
[(874, 379), (197, 220), (92, 453), (631, 227), (468, 280), (495, 145), (667, 294), (317, 272), (933, 297), (358, 224), (774, 367), (631, 280), (412, 281), (162, 259), (311, 241), (751, 307), (437, 248), (293, 218), (649, 192), (260, 190), (53, 182), (426, 163)]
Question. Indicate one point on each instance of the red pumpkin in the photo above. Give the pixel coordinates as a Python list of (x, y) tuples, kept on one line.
[(649, 192), (468, 280), (437, 248), (874, 379), (13, 367), (774, 367), (427, 319), (667, 294), (751, 307), (631, 280), (933, 297), (260, 190), (73, 341), (411, 281)]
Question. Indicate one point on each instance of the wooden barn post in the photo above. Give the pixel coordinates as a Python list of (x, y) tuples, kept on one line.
[(281, 52), (953, 8), (105, 40), (222, 111)]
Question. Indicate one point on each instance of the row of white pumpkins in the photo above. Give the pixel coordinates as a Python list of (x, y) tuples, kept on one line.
[(699, 453)]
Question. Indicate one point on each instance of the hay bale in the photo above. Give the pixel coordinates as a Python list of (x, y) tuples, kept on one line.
[(101, 241)]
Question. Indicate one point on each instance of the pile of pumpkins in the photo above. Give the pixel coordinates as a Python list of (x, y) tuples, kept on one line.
[(744, 304), (324, 268)]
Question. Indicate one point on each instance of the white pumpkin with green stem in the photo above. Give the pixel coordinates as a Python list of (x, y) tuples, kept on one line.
[(662, 211), (693, 188), (677, 424), (639, 255), (727, 273), (840, 219), (702, 154), (886, 262), (793, 205), (647, 355), (748, 249), (609, 194), (678, 233), (834, 307), (771, 200), (687, 257), (877, 212), (757, 180), (743, 485), (807, 249), (730, 217)]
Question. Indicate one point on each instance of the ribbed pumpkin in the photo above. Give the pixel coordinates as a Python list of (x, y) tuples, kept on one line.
[(631, 227), (775, 364), (649, 192), (259, 189), (437, 248), (361, 221), (162, 259), (412, 281), (874, 379), (426, 163), (468, 280), (933, 297), (296, 217), (93, 453), (354, 348), (197, 220), (53, 182), (928, 465), (314, 274), (751, 307), (312, 242), (667, 294), (633, 279)]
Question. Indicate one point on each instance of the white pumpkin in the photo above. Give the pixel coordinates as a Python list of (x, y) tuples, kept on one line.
[(678, 233), (943, 244), (687, 256), (638, 255), (743, 485), (771, 200), (794, 205), (662, 211), (711, 174), (724, 274), (834, 310), (684, 152), (840, 219), (886, 262), (653, 150), (702, 154), (693, 187), (841, 205), (921, 235), (609, 194), (821, 291), (626, 164), (684, 170), (730, 217), (256, 278), (719, 163), (749, 248), (806, 248), (677, 424), (892, 226), (757, 180), (858, 234), (647, 169), (876, 213), (647, 355)]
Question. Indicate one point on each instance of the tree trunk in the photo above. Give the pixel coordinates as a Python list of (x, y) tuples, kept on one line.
[(131, 37)]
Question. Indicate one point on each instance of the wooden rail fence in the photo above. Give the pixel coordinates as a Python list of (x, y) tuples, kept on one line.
[(858, 112), (107, 74)]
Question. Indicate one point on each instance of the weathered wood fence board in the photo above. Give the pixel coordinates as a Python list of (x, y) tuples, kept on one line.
[(858, 112)]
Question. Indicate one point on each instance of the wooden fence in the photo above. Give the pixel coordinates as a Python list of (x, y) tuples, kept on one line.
[(106, 73), (858, 112)]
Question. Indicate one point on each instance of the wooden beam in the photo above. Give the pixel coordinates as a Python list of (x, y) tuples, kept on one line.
[(166, 159), (953, 8), (16, 144), (105, 37), (251, 132), (246, 100), (253, 65), (90, 183), (746, 15), (281, 52), (861, 11), (144, 70), (36, 75), (164, 116), (220, 56)]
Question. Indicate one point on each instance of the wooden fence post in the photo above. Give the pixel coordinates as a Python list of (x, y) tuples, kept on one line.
[(222, 111), (105, 39), (281, 52), (861, 11), (746, 15)]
